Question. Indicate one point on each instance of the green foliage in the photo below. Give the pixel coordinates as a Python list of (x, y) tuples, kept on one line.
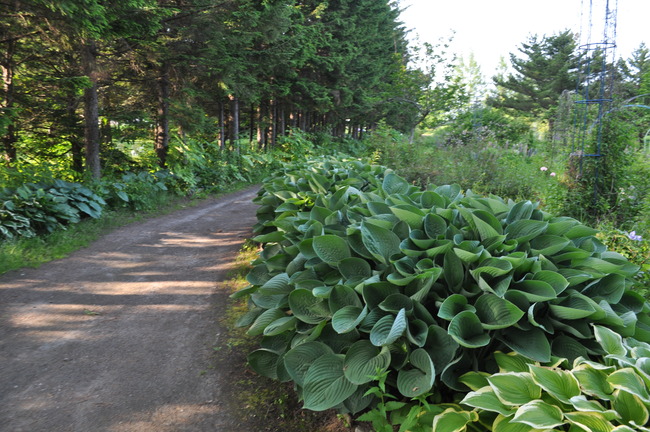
[(37, 208), (363, 274), (136, 191), (612, 395)]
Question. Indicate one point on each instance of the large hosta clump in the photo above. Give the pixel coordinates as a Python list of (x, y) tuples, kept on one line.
[(363, 274)]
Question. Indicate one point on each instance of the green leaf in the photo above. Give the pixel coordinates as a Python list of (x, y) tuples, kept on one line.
[(434, 226), (331, 248), (325, 383), (521, 210), (539, 414), (628, 380), (548, 245), (593, 381), (496, 313), (380, 242), (341, 296), (453, 305), (280, 325), (355, 269), (394, 184), (278, 284), (264, 362), (266, 318), (298, 359), (560, 384), (609, 340), (453, 270), (412, 215), (525, 230), (308, 308), (590, 421), (451, 420), (486, 399), (630, 407), (419, 379), (388, 329), (505, 424), (467, 330), (363, 361), (515, 388), (348, 318), (441, 347), (512, 362), (529, 343)]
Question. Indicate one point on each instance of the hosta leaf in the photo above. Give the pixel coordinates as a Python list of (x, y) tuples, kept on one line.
[(610, 288), (630, 407), (512, 362), (567, 347), (454, 421), (453, 270), (560, 384), (331, 248), (548, 244), (573, 307), (272, 237), (609, 340), (363, 361), (258, 275), (278, 284), (589, 421), (355, 268), (375, 293), (308, 308), (441, 347), (413, 216), (388, 329), (539, 414), (467, 330), (553, 278), (521, 210), (628, 380), (417, 332), (434, 226), (515, 388), (496, 313), (581, 403), (579, 230), (593, 381), (325, 383), (341, 296), (475, 380), (419, 378), (525, 230), (505, 424), (394, 184), (264, 362), (486, 224), (529, 343), (348, 318), (486, 399), (440, 247), (266, 318), (380, 242), (535, 290), (280, 325), (429, 199), (492, 266), (453, 305)]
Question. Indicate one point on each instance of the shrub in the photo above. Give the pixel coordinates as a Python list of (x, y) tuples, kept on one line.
[(365, 276)]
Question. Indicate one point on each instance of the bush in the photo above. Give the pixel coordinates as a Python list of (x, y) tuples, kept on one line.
[(367, 279)]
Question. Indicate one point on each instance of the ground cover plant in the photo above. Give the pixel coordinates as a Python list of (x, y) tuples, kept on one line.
[(372, 295)]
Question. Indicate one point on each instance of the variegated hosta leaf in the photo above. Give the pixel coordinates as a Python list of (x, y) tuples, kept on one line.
[(589, 421), (512, 362), (630, 407), (486, 399), (515, 388), (628, 380), (453, 421), (560, 384), (539, 414)]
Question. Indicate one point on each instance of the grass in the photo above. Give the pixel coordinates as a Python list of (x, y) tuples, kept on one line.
[(32, 252)]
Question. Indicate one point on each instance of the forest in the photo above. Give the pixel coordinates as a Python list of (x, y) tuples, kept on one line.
[(408, 202)]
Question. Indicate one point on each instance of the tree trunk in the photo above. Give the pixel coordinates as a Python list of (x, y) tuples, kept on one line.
[(222, 128), (161, 144), (274, 123), (91, 109), (7, 102), (234, 122)]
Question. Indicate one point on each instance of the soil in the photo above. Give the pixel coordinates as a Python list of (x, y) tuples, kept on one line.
[(128, 333)]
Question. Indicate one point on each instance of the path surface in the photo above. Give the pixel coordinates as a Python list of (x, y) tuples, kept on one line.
[(118, 337)]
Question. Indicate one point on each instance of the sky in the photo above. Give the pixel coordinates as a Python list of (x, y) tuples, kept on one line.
[(491, 29)]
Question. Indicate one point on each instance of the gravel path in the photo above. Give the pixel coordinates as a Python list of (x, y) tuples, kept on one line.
[(119, 336)]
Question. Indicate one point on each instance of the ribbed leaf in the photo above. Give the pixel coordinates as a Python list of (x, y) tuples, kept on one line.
[(529, 343), (325, 383), (264, 362), (496, 313), (266, 318), (331, 248), (298, 359), (434, 226), (348, 318), (593, 381), (412, 215), (280, 325), (441, 347), (548, 245), (539, 414), (590, 421), (467, 330), (515, 388), (610, 288), (278, 284), (308, 308), (521, 210), (341, 296), (388, 329), (630, 407), (525, 230), (609, 340), (560, 384), (628, 380), (418, 379), (364, 360), (486, 399), (380, 242), (512, 362), (453, 421), (355, 268), (394, 184)]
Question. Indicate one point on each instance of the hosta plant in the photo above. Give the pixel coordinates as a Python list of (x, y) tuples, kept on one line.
[(525, 396), (363, 274)]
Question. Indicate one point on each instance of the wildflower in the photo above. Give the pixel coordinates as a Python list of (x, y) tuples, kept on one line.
[(552, 174), (633, 236), (543, 169)]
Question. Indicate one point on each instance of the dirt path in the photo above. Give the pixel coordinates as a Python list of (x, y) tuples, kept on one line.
[(118, 336)]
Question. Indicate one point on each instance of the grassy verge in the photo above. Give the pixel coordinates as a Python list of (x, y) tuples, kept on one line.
[(263, 404), (32, 252)]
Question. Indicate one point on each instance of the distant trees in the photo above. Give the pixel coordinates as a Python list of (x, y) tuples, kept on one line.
[(79, 76)]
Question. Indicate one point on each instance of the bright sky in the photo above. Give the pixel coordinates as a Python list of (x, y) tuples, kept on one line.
[(494, 28)]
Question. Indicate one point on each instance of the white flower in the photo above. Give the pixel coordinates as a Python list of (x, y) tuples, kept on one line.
[(552, 174), (543, 169)]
